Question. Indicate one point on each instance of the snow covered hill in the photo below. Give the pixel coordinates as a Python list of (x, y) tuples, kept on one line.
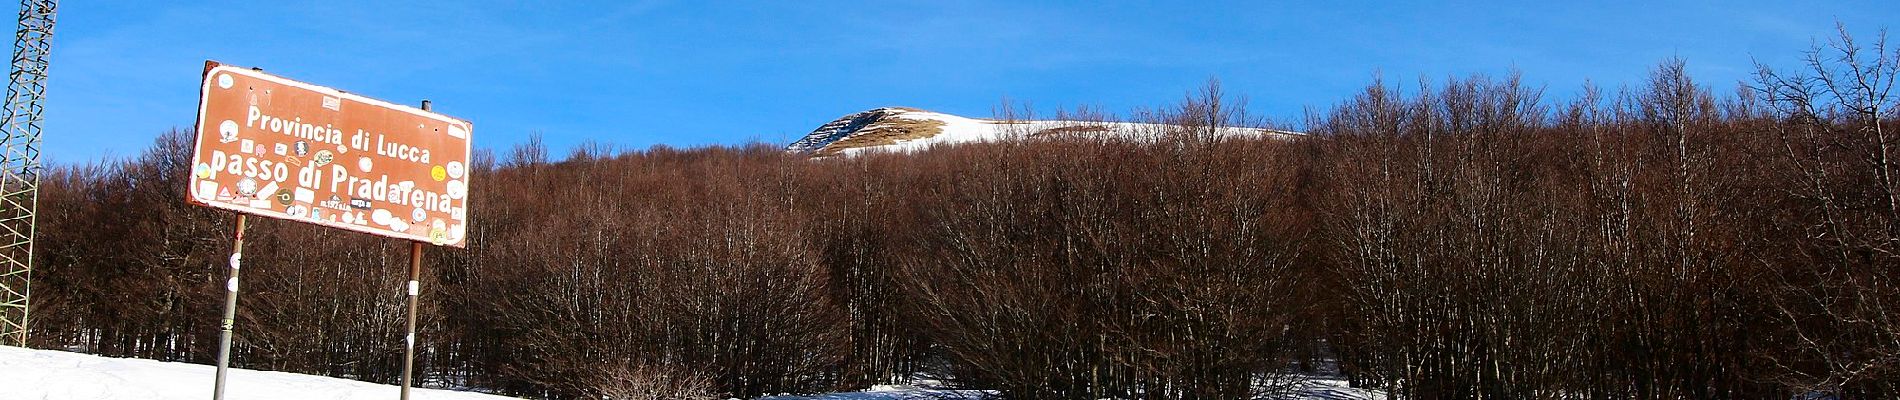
[(909, 129), (57, 375)]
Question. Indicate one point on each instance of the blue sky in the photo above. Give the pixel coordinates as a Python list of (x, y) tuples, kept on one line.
[(690, 73)]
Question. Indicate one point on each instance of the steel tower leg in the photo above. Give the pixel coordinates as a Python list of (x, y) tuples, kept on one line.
[(20, 164)]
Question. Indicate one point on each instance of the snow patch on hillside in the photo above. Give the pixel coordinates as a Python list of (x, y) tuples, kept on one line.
[(58, 375), (907, 130)]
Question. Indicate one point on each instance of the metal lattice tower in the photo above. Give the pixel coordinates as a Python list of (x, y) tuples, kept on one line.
[(20, 164)]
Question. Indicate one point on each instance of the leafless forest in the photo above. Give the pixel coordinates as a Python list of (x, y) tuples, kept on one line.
[(1466, 238)]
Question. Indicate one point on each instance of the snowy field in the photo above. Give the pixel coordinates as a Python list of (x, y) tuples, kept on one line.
[(27, 374)]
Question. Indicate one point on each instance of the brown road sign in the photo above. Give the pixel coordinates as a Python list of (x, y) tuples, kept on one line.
[(284, 149)]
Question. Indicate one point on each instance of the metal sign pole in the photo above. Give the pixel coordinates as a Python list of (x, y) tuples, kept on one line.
[(409, 341), (230, 311), (415, 289)]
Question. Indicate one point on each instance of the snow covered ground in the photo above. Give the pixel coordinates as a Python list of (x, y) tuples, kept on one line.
[(891, 392), (27, 374), (1333, 389)]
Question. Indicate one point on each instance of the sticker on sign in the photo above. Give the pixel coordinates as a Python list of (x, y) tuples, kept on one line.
[(256, 132)]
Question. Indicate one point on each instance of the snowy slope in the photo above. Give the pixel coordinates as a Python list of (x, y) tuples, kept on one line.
[(908, 129), (58, 375)]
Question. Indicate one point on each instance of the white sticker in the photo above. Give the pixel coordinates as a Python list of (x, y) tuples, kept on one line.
[(247, 187), (227, 131), (224, 81), (418, 215), (455, 169), (332, 103), (414, 287), (364, 164), (457, 190), (457, 131), (231, 284), (305, 195), (235, 258), (269, 189), (207, 190)]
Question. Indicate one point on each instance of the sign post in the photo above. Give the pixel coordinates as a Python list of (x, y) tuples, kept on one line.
[(278, 148), (230, 311), (409, 340), (415, 290)]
